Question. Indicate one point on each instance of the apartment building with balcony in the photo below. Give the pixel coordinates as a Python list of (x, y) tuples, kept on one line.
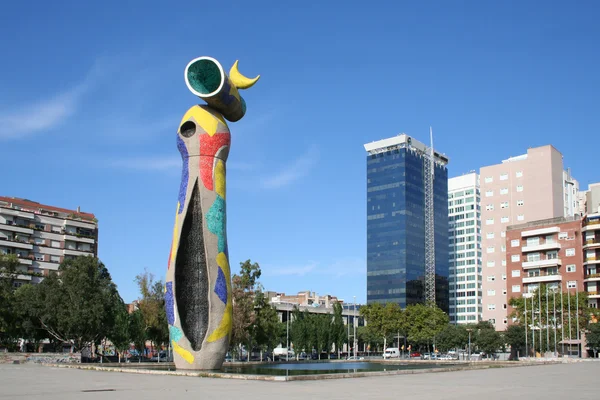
[(545, 252), (521, 189), (42, 236), (591, 257), (464, 232)]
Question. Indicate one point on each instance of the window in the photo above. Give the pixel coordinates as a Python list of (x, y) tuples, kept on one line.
[(515, 258), (491, 306), (504, 204), (533, 257), (570, 252), (520, 203), (504, 191), (519, 188), (503, 234), (503, 277), (504, 263), (491, 292), (520, 217), (491, 278), (563, 235), (489, 207), (489, 179), (39, 257), (55, 259), (519, 174), (533, 241), (503, 177), (489, 221), (489, 193), (571, 268), (489, 235), (515, 273), (504, 308), (504, 220), (491, 263), (572, 284), (503, 248), (491, 249), (54, 243), (515, 243), (504, 292), (516, 288)]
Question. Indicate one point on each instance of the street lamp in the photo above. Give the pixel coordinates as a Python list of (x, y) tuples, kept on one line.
[(287, 339), (469, 330), (354, 323)]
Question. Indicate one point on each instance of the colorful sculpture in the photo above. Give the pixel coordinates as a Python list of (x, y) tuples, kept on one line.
[(198, 284)]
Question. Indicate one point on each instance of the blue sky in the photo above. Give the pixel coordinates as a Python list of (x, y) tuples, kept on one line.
[(91, 96)]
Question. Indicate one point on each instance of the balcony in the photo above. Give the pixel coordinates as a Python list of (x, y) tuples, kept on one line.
[(17, 213), (593, 243), (75, 252), (82, 239), (16, 228), (542, 278), (541, 247), (593, 225), (593, 295), (591, 260), (16, 244), (554, 262), (539, 232), (592, 278)]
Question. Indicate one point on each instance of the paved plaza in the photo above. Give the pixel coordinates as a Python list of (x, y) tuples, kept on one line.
[(563, 381)]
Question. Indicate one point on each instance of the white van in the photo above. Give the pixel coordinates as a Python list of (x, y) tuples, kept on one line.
[(391, 352)]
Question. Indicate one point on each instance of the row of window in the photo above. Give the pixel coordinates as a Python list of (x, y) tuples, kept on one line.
[(492, 263), (493, 307), (492, 292), (503, 205), (503, 177), (504, 220), (517, 288), (492, 278)]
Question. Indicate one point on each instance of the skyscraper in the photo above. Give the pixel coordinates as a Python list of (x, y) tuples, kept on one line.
[(464, 215), (396, 218), (521, 189)]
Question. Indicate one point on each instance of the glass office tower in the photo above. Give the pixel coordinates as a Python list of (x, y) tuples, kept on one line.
[(396, 222)]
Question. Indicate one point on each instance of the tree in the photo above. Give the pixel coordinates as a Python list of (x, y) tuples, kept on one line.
[(243, 288), (120, 335), (452, 337), (152, 306), (488, 340), (515, 337), (266, 332), (593, 338), (338, 331), (137, 331), (8, 320), (384, 321), (78, 305), (299, 331), (424, 322)]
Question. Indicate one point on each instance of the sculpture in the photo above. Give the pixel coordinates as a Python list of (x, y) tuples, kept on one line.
[(198, 283)]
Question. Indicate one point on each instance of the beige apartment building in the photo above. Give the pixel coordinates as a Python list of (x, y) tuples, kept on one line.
[(42, 236), (529, 187)]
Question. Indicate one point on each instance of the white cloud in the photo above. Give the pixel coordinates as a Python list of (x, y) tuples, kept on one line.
[(336, 268), (296, 170), (29, 119), (164, 163)]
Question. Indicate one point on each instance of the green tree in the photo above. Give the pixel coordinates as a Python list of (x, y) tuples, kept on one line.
[(152, 306), (300, 331), (77, 305), (452, 337), (515, 337), (424, 323), (488, 340), (120, 335), (373, 342), (8, 319), (338, 330), (137, 331), (593, 338), (266, 332), (244, 287), (26, 324), (322, 329), (384, 321)]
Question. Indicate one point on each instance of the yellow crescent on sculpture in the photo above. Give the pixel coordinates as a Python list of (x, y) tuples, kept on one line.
[(239, 80)]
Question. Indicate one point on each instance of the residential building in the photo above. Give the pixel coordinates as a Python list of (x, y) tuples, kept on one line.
[(571, 194), (306, 298), (396, 197), (589, 200), (591, 256), (42, 236), (521, 189), (545, 252), (464, 231)]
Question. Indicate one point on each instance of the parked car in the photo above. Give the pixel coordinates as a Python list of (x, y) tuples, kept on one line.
[(354, 358), (416, 354), (391, 352)]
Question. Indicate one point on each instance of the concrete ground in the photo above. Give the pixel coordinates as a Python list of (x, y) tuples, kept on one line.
[(563, 381)]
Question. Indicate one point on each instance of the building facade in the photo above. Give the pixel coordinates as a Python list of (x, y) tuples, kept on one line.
[(396, 222), (521, 189), (42, 236), (547, 252), (591, 256), (464, 231)]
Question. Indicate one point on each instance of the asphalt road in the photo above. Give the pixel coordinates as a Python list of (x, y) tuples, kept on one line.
[(564, 381)]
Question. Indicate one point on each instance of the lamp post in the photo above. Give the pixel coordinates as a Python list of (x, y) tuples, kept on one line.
[(354, 323), (287, 338), (469, 330)]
